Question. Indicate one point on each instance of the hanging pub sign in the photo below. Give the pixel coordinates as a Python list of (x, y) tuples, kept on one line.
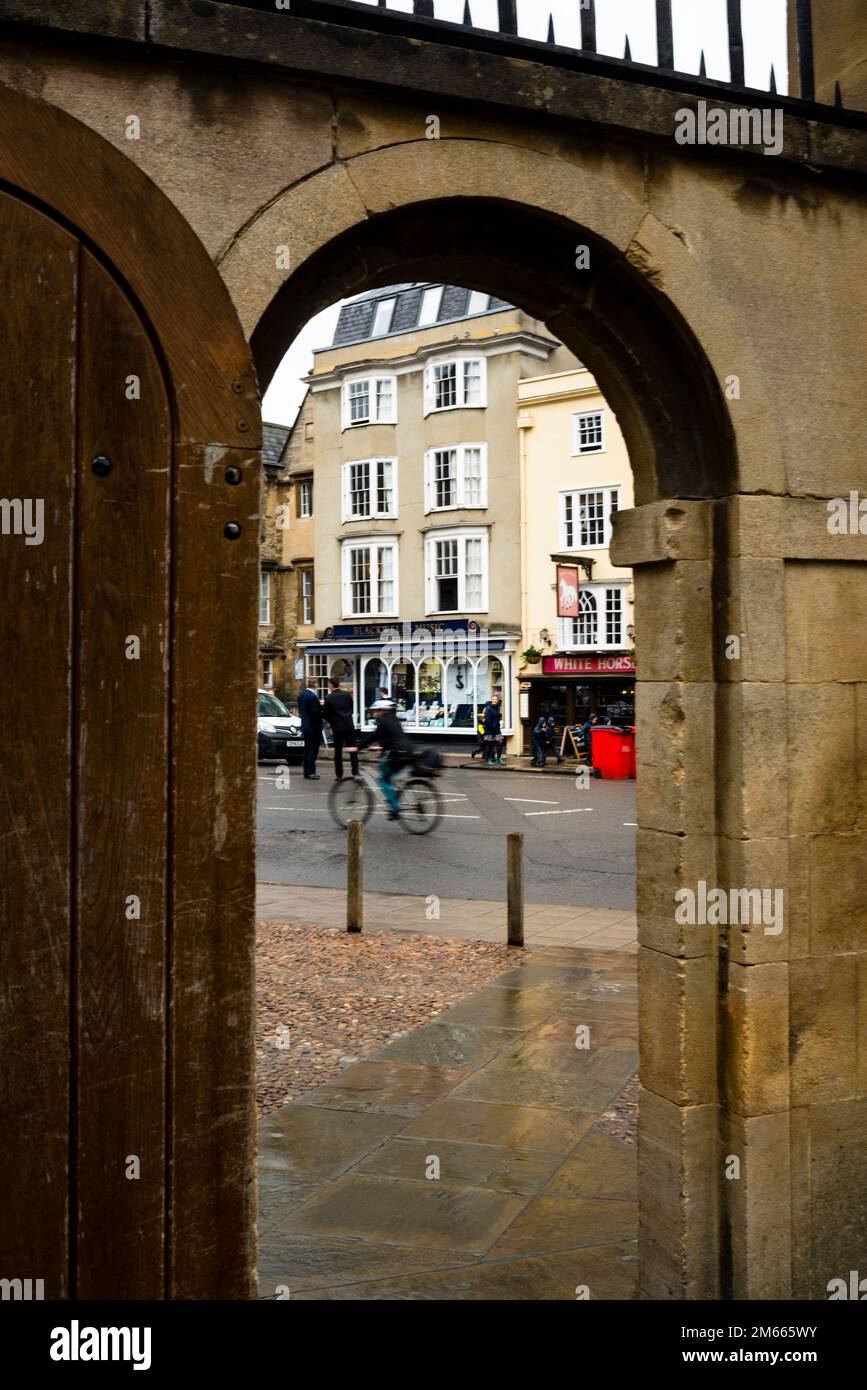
[(567, 592)]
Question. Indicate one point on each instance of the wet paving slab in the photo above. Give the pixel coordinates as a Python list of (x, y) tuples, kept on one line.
[(473, 1158)]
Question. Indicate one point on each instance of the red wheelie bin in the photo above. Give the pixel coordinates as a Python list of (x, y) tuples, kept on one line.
[(613, 752)]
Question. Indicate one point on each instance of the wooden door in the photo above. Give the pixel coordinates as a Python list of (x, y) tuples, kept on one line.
[(129, 487), (84, 633)]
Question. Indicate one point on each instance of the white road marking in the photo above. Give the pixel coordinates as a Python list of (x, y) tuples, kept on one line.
[(531, 800), (633, 823), (575, 812)]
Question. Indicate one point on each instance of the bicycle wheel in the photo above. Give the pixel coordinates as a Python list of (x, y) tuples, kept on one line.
[(420, 807), (349, 800)]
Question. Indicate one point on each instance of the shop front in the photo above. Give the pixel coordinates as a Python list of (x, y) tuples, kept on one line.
[(440, 675), (571, 688)]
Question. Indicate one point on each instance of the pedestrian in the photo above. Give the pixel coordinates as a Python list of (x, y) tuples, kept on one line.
[(339, 713), (310, 710), (540, 741), (551, 738), (587, 736), (494, 733)]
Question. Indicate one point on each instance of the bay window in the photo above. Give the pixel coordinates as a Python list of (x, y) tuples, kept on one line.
[(459, 383), (456, 572), (369, 489), (456, 477), (370, 579), (369, 400)]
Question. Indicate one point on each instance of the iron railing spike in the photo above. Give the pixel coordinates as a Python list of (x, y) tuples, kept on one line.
[(508, 16), (551, 35), (838, 95), (664, 36), (702, 70), (736, 42), (806, 71), (772, 88), (627, 52), (588, 26), (468, 18)]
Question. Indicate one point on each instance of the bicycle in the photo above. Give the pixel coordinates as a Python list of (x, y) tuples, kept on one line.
[(419, 803)]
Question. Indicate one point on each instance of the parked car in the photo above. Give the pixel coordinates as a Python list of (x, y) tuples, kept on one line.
[(279, 731)]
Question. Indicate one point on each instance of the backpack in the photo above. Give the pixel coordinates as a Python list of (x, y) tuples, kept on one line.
[(429, 763)]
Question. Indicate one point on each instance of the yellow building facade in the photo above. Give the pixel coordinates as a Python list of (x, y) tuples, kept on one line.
[(575, 474)]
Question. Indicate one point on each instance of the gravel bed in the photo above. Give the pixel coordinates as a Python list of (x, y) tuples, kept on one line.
[(325, 998)]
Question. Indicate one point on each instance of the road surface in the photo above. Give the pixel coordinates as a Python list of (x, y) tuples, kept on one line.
[(579, 843)]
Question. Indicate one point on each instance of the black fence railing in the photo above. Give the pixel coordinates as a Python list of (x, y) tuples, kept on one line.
[(498, 20)]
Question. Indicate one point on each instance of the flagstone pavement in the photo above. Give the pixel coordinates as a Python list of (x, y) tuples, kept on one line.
[(473, 1159), (545, 924)]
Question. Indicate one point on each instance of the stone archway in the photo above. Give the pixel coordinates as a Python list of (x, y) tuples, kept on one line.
[(670, 403)]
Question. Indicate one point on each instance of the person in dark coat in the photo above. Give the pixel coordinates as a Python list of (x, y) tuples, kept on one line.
[(310, 710), (540, 741), (494, 733), (397, 749), (551, 744), (339, 713)]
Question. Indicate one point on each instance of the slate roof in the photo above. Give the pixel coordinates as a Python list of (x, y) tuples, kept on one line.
[(356, 319), (274, 439)]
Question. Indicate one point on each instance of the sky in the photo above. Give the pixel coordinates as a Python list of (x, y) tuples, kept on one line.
[(698, 24)]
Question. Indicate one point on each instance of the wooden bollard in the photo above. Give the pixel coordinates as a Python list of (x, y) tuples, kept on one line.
[(355, 876), (515, 888)]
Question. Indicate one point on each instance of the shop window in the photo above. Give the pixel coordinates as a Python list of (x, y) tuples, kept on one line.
[(460, 693), (403, 690), (343, 670), (431, 711), (317, 673), (375, 679), (490, 681)]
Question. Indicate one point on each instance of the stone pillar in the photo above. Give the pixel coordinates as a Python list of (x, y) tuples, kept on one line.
[(793, 814), (669, 547), (752, 700)]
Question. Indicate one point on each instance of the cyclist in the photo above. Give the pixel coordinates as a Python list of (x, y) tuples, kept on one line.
[(397, 749)]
